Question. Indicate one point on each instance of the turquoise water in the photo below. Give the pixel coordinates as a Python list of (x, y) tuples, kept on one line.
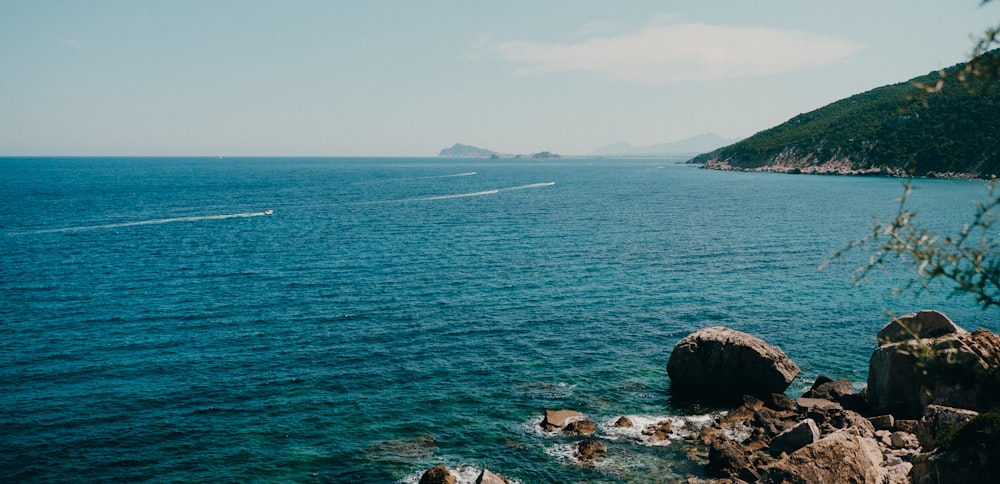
[(393, 314)]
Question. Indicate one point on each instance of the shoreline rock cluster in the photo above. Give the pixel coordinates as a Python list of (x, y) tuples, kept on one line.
[(927, 379), (842, 167), (928, 414)]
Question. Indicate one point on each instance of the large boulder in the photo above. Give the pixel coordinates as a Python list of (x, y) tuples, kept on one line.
[(954, 368), (719, 364), (842, 456), (925, 324)]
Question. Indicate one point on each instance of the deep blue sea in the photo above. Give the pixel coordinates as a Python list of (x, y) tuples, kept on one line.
[(156, 325)]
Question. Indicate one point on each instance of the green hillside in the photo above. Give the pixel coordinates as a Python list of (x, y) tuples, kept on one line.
[(955, 132)]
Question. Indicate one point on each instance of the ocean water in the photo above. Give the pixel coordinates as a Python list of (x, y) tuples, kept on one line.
[(157, 325)]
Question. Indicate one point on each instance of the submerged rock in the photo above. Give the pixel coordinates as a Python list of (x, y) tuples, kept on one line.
[(721, 364), (659, 431), (623, 422), (590, 450)]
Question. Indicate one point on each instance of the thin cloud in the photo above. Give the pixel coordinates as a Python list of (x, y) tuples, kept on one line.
[(477, 49), (681, 52), (79, 44)]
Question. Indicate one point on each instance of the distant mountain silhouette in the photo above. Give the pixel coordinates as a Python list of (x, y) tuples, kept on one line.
[(688, 146)]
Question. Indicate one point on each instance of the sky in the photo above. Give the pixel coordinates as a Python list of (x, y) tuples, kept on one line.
[(408, 78)]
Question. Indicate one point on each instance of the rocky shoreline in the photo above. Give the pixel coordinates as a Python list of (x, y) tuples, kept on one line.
[(840, 167), (929, 414)]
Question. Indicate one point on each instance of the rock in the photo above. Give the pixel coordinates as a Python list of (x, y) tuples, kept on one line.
[(709, 434), (898, 473), (907, 425), (659, 431), (588, 451), (623, 422), (855, 401), (958, 369), (487, 477), (727, 460), (753, 403), (830, 389), (557, 419), (839, 457), (925, 324), (737, 416), (772, 422), (971, 453), (903, 440), (806, 404), (779, 401), (801, 435), (849, 419), (438, 475), (938, 419), (882, 422), (718, 364), (581, 427)]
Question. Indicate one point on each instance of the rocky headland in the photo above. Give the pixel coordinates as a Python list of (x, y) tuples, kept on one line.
[(929, 412), (893, 130)]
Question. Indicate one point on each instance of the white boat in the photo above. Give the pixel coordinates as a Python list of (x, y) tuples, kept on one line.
[(268, 212)]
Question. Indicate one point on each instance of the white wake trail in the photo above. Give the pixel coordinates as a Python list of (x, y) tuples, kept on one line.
[(493, 191), (459, 195), (155, 221), (532, 185)]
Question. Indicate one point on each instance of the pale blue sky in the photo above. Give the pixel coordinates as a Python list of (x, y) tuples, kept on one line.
[(387, 78)]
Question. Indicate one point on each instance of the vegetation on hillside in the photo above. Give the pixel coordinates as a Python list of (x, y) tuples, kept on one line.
[(941, 128)]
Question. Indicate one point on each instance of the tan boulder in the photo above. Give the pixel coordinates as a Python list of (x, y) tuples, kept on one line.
[(958, 369), (842, 456), (438, 475), (925, 324), (557, 419), (722, 364)]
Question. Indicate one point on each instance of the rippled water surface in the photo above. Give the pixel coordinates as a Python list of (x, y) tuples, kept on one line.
[(392, 314)]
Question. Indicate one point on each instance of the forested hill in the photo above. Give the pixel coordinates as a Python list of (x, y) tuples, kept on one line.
[(954, 132)]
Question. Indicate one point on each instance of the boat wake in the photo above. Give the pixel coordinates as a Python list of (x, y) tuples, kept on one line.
[(458, 195), (531, 185), (493, 191), (430, 177), (155, 221)]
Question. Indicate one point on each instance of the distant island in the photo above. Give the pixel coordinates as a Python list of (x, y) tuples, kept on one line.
[(459, 150), (890, 130)]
